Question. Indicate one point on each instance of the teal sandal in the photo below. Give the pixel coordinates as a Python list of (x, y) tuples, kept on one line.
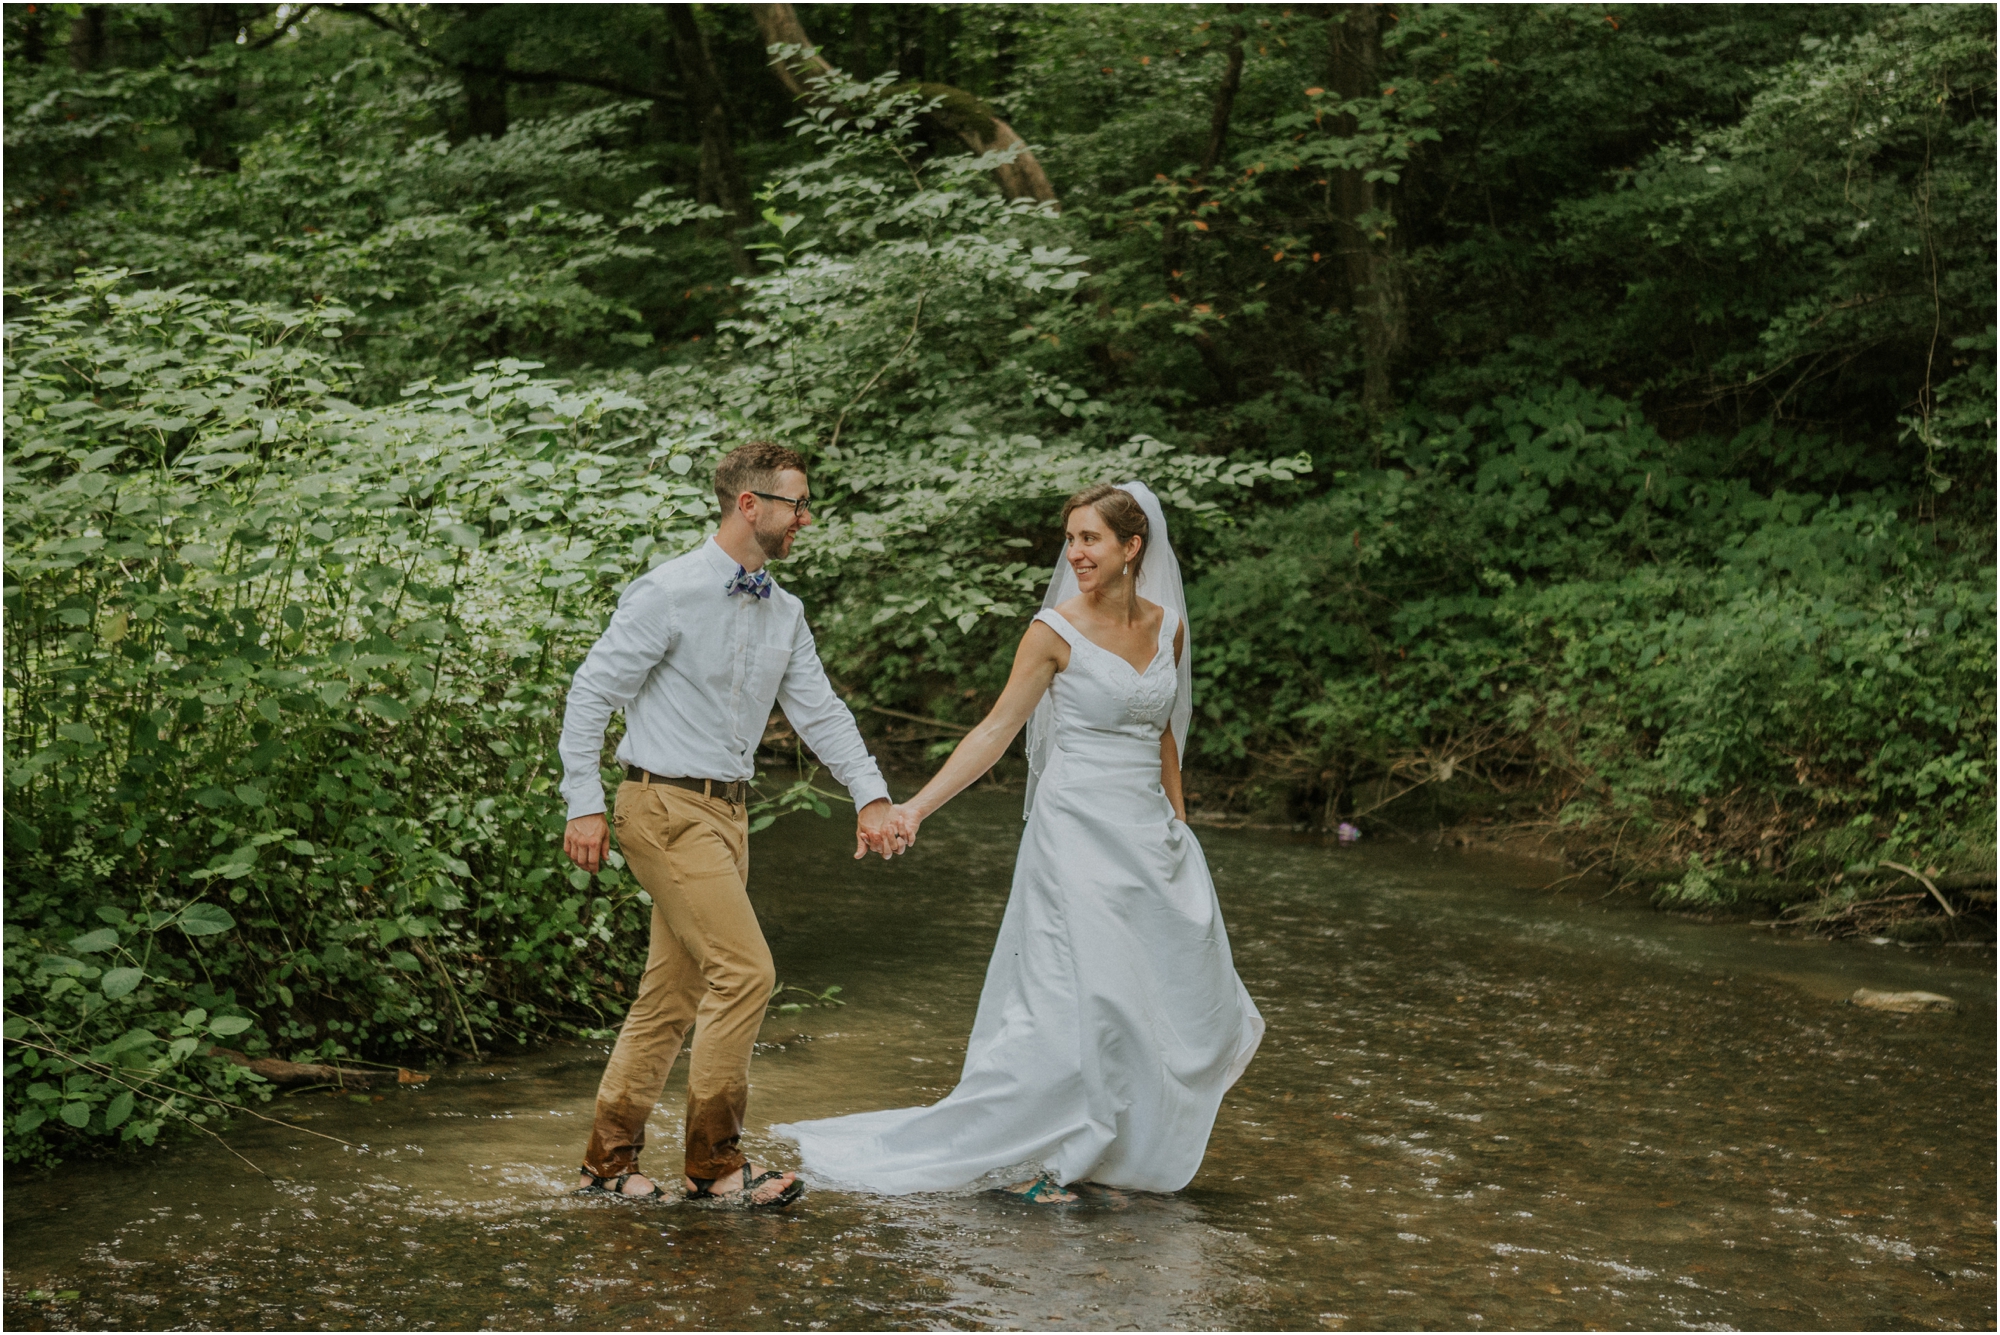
[(1044, 1190)]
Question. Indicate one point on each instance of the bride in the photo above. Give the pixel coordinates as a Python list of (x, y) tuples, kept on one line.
[(1112, 1020)]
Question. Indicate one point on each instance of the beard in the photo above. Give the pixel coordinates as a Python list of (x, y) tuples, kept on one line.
[(774, 541)]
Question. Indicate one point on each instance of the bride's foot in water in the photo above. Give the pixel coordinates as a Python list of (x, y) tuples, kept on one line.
[(1041, 1190)]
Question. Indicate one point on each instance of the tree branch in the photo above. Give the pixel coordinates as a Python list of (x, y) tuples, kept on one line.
[(263, 42), (501, 71), (880, 372)]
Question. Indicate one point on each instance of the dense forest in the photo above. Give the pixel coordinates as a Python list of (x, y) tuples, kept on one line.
[(1573, 416)]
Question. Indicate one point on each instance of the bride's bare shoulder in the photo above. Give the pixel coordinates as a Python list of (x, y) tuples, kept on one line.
[(1042, 641)]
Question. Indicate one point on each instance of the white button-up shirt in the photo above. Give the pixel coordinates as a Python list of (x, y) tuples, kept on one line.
[(696, 672)]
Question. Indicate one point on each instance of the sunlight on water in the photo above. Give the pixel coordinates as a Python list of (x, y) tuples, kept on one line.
[(1478, 1106)]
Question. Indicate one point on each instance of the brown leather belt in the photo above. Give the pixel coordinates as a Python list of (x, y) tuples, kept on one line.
[(734, 791)]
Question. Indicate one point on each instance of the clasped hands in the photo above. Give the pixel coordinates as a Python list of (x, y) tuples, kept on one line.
[(879, 827), (883, 828)]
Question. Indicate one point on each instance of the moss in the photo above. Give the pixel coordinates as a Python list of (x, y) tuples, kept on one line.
[(957, 110)]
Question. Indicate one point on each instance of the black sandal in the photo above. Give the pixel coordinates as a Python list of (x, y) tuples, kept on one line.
[(745, 1196), (617, 1187)]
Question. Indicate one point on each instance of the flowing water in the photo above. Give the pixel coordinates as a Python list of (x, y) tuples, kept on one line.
[(1480, 1104)]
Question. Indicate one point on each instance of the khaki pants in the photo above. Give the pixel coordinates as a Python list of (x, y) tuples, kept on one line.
[(707, 966)]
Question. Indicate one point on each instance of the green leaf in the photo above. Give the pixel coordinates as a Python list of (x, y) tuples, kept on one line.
[(76, 1114), (579, 878), (77, 732), (16, 1027), (29, 1119), (104, 938), (116, 1111), (205, 919), (120, 982), (403, 959), (386, 706), (226, 1025)]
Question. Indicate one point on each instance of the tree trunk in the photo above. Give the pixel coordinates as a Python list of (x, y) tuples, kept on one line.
[(910, 44), (485, 103), (722, 179), (88, 39), (860, 40), (476, 49), (1173, 253), (1225, 101), (1367, 227), (34, 48), (960, 114)]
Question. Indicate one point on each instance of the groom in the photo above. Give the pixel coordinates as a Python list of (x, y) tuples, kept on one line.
[(698, 650)]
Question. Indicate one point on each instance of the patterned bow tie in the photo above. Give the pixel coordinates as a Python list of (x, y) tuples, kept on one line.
[(756, 582)]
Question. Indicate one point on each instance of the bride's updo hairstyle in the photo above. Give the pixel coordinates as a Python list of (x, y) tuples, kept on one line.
[(1124, 516)]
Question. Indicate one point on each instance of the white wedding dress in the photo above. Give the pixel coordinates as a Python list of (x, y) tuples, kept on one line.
[(1112, 1020)]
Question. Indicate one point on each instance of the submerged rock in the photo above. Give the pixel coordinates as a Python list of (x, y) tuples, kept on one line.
[(1901, 1003)]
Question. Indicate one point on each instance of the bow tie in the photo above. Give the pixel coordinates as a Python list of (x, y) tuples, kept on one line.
[(757, 582)]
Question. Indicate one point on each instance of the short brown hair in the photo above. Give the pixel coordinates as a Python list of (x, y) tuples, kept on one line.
[(1121, 513), (752, 466)]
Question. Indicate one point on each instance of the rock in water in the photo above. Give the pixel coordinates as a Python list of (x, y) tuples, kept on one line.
[(1901, 1003)]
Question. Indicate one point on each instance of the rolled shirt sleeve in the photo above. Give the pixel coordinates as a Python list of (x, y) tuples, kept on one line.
[(825, 724), (642, 633)]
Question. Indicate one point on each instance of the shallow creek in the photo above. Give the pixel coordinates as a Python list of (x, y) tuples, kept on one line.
[(1480, 1104)]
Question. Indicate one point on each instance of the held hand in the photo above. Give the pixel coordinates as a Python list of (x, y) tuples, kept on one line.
[(587, 839), (874, 830), (906, 821)]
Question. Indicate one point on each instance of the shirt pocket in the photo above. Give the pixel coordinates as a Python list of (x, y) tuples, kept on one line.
[(760, 686)]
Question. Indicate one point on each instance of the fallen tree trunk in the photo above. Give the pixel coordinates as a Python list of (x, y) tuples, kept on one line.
[(957, 113)]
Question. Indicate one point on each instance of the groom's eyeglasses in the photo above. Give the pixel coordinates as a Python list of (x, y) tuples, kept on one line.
[(800, 507)]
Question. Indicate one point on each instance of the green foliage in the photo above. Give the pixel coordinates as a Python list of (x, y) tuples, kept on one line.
[(307, 658), (347, 382)]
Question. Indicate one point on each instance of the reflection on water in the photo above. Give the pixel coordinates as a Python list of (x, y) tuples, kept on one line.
[(1478, 1105)]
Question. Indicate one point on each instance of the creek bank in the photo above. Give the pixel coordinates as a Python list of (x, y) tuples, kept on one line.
[(1691, 868), (1885, 898)]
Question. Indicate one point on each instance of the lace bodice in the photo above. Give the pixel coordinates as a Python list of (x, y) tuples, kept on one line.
[(1099, 696)]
